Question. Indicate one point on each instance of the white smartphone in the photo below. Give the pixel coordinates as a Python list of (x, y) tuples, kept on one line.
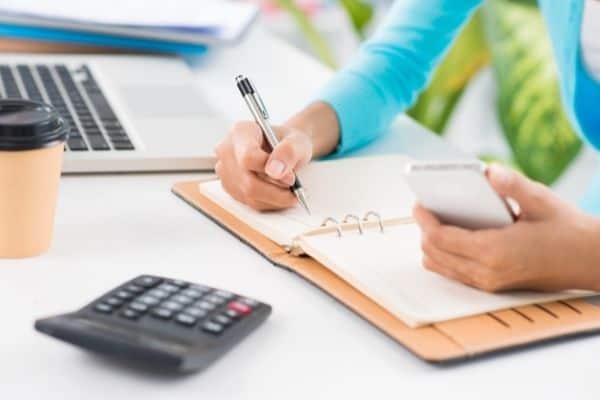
[(458, 193)]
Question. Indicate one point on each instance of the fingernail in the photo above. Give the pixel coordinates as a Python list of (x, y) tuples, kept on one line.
[(500, 174), (275, 168), (289, 179)]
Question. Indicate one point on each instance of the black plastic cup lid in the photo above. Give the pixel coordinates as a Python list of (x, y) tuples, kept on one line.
[(28, 125)]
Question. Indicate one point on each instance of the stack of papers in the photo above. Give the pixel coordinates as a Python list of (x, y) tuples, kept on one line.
[(181, 22)]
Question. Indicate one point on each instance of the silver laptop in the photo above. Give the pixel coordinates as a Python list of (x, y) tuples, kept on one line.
[(127, 113)]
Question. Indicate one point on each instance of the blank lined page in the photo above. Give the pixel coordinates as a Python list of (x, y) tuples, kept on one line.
[(387, 268), (333, 188)]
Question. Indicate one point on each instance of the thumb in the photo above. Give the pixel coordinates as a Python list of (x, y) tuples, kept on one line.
[(534, 199), (291, 154)]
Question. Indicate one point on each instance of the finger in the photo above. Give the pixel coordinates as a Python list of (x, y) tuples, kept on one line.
[(254, 204), (425, 219), (457, 264), (281, 183), (455, 267), (247, 143), (219, 168), (289, 179), (263, 207), (292, 153), (239, 193), (433, 266), (461, 242), (534, 199), (255, 189)]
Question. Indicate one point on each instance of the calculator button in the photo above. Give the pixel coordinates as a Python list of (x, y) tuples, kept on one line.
[(215, 299), (149, 300), (205, 305), (167, 287), (239, 307), (222, 319), (232, 314), (251, 302), (179, 283), (159, 293), (212, 327), (195, 312), (130, 314), (201, 288), (192, 293), (182, 299), (139, 307), (224, 294), (124, 294), (147, 281), (186, 320), (162, 313), (135, 289), (103, 308), (171, 305), (114, 301)]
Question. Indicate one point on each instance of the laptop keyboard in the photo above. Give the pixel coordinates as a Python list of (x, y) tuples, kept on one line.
[(77, 97)]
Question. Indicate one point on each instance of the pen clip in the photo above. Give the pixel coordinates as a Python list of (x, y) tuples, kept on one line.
[(259, 102)]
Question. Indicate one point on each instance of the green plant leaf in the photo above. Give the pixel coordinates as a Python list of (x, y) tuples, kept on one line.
[(467, 55), (314, 38), (360, 14), (529, 105)]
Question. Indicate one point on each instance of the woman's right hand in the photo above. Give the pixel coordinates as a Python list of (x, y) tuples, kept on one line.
[(262, 180), (253, 176)]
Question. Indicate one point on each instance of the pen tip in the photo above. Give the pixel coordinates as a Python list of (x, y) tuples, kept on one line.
[(306, 209), (302, 201)]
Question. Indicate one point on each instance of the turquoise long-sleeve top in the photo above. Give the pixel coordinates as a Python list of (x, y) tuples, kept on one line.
[(396, 63)]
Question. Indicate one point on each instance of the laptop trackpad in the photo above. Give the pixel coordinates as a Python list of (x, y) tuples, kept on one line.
[(163, 101)]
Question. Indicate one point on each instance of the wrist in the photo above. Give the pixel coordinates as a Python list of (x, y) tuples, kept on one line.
[(587, 269), (319, 122), (594, 268)]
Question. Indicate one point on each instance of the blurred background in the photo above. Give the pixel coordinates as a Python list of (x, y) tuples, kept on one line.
[(495, 94)]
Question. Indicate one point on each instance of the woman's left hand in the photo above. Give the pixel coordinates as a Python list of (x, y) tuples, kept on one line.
[(553, 245)]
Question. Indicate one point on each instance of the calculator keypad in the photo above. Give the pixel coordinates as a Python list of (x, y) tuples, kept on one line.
[(177, 302)]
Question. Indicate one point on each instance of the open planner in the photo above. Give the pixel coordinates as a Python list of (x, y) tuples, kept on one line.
[(361, 245)]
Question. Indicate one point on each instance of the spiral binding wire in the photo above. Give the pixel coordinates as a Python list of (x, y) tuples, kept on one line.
[(377, 216), (368, 216), (358, 220), (336, 224)]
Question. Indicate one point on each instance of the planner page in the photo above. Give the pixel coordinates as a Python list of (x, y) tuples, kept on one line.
[(387, 268), (333, 189)]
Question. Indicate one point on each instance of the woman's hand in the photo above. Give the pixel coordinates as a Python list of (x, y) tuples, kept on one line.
[(253, 176), (553, 246)]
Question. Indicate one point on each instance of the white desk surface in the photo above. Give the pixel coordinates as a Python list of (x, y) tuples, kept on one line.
[(111, 228)]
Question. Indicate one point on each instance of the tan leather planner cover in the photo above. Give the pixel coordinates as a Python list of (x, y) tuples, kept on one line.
[(446, 341)]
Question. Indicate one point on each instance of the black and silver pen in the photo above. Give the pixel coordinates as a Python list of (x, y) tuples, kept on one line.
[(261, 116)]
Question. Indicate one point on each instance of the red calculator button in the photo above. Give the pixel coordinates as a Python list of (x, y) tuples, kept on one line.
[(241, 308)]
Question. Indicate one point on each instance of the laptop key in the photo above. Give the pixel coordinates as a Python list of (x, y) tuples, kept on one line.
[(118, 145), (75, 133), (77, 144), (98, 143), (118, 137)]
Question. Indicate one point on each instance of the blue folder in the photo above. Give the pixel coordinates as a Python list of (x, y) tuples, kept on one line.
[(97, 39)]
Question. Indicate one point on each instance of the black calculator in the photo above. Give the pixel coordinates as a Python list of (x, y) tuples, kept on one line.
[(158, 322)]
